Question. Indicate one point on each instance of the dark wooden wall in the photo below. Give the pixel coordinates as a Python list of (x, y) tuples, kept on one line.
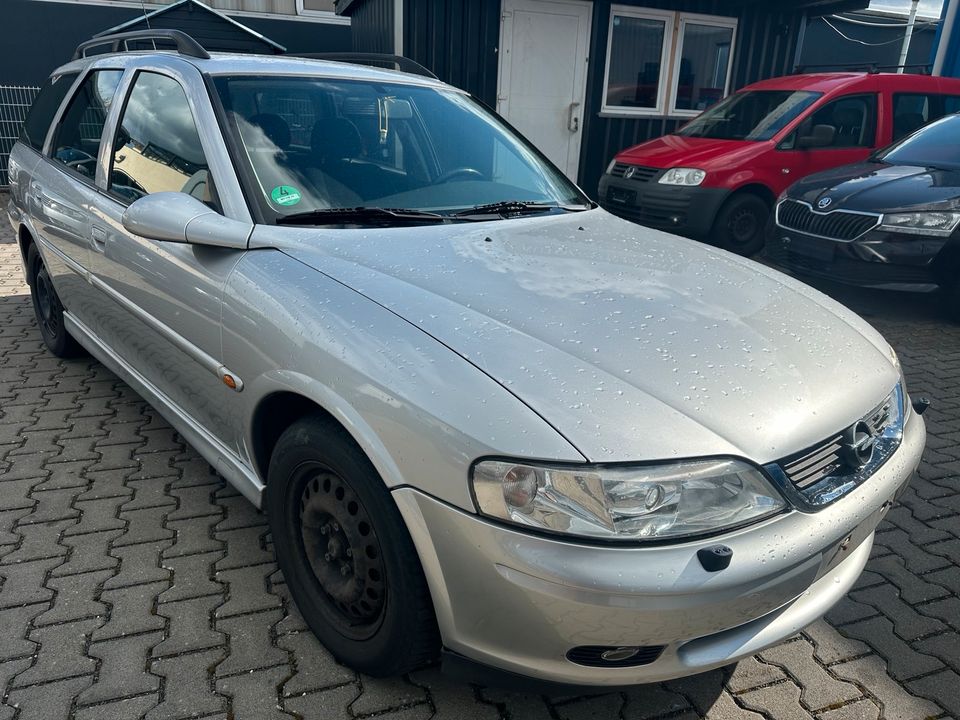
[(371, 26)]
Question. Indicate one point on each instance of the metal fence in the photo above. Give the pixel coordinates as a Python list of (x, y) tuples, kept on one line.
[(15, 100)]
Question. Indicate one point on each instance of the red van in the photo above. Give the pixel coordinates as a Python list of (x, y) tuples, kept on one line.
[(717, 177)]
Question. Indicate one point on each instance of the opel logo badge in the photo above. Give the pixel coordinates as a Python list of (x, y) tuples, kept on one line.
[(629, 172), (858, 444), (824, 203)]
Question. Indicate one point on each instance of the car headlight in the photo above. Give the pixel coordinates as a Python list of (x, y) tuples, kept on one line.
[(902, 386), (921, 223), (683, 176), (655, 502)]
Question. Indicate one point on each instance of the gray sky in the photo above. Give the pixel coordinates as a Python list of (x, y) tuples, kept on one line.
[(927, 7)]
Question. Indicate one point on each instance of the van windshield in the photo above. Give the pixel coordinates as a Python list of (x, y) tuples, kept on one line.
[(316, 145), (750, 115)]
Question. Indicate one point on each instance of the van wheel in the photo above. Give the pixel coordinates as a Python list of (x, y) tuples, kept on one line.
[(741, 224), (48, 309), (345, 552)]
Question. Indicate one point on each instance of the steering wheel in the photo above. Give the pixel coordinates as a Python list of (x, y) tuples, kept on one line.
[(87, 158), (464, 173)]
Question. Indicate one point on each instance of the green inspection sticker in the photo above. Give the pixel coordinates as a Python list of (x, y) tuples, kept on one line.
[(285, 195)]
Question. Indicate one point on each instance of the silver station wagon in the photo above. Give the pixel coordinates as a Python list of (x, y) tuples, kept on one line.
[(488, 421)]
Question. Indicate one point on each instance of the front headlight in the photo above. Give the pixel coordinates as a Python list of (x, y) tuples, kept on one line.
[(683, 176), (921, 223), (655, 502)]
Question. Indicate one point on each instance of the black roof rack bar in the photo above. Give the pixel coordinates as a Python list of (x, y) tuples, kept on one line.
[(401, 63), (872, 68), (186, 45)]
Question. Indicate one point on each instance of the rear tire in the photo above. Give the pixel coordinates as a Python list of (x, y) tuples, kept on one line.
[(345, 552), (48, 309), (740, 225)]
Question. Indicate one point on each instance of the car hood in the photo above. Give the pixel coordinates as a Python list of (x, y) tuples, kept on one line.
[(634, 344), (678, 151), (878, 187)]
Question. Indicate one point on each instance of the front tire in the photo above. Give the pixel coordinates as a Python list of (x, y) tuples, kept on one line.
[(740, 225), (48, 309), (345, 552)]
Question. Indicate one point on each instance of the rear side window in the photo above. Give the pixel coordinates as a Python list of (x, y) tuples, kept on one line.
[(44, 107), (911, 111), (157, 147), (76, 141)]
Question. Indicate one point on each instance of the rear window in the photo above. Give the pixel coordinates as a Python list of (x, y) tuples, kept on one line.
[(935, 146), (44, 107)]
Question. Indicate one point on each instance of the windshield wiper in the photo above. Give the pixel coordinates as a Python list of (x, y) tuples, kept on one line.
[(515, 207), (330, 216)]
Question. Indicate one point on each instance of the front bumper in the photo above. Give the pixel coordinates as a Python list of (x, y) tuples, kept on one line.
[(687, 211), (878, 259), (519, 602)]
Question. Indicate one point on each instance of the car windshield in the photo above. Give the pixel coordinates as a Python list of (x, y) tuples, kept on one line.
[(750, 115), (937, 145), (319, 144)]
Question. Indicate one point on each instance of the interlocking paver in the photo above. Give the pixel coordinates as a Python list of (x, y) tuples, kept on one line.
[(254, 694), (121, 671), (126, 562), (189, 690), (871, 674), (192, 577), (818, 689), (131, 610), (329, 704), (61, 653), (189, 623), (251, 646)]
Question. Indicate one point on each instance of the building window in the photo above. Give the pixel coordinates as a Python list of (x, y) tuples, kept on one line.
[(637, 54), (652, 70)]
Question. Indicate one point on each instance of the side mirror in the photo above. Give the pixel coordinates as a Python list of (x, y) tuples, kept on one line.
[(178, 217), (822, 136)]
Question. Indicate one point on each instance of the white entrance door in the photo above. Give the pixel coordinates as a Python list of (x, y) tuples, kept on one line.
[(543, 74)]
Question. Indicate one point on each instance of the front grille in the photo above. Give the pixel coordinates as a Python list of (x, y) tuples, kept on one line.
[(826, 471), (826, 459), (640, 173), (592, 656), (835, 225)]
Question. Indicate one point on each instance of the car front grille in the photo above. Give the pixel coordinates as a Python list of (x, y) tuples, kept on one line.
[(640, 173), (823, 473), (836, 225), (825, 459)]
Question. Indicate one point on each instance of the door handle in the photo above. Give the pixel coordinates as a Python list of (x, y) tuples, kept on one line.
[(573, 118), (98, 238)]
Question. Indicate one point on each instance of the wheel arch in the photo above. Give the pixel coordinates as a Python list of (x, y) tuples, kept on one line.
[(281, 403), (757, 189)]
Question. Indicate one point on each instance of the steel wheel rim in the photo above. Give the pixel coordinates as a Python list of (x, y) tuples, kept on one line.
[(46, 304), (342, 551), (743, 226)]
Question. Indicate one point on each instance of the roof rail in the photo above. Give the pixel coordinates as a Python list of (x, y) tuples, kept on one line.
[(872, 68), (399, 62), (186, 45)]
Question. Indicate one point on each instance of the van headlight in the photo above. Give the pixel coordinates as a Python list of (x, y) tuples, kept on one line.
[(683, 176), (921, 223), (648, 502)]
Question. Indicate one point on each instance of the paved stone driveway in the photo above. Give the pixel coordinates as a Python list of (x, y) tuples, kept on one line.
[(134, 582)]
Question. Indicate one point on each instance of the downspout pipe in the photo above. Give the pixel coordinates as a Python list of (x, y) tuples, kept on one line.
[(946, 35)]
